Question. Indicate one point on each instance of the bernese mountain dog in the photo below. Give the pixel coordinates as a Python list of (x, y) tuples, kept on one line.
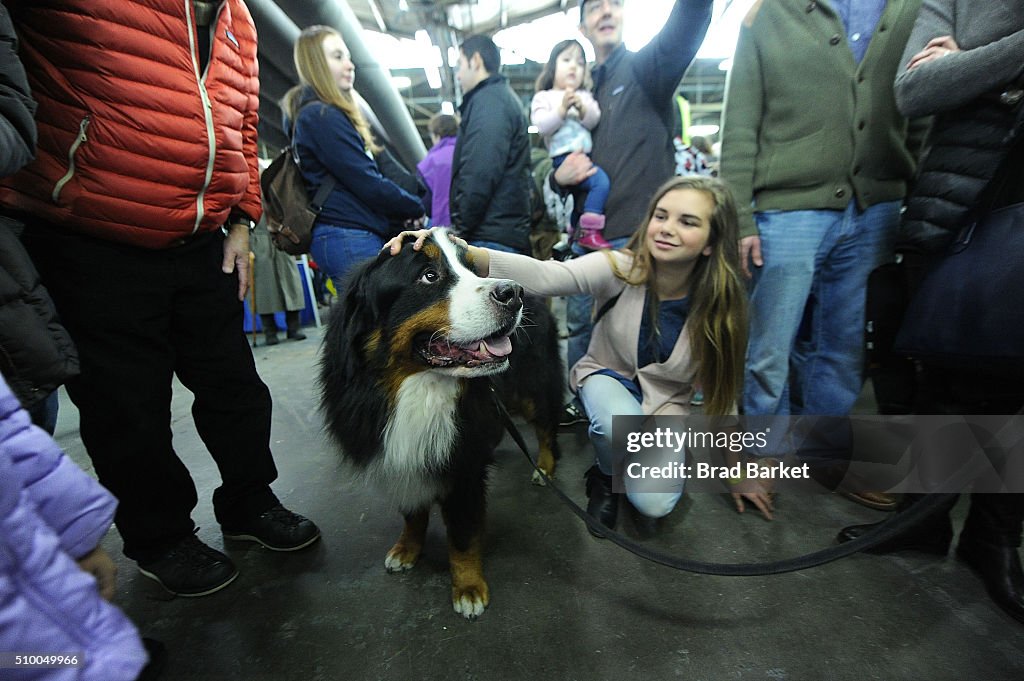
[(408, 361)]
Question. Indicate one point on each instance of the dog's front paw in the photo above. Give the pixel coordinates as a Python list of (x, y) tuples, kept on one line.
[(401, 558), (470, 601), (539, 479)]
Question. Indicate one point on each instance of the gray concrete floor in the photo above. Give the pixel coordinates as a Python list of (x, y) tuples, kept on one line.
[(563, 605)]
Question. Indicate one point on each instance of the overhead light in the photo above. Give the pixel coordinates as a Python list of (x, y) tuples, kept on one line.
[(533, 130), (403, 6), (725, 64), (448, 108), (433, 77), (703, 130), (401, 82)]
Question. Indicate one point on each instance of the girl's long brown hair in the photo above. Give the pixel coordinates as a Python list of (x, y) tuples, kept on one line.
[(717, 320), (311, 64)]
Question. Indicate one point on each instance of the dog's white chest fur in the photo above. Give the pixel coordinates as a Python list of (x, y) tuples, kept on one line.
[(418, 438)]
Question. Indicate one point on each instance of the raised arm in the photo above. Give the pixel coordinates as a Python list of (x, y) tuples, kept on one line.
[(661, 63)]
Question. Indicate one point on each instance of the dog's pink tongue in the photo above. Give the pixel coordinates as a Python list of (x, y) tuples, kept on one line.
[(499, 347)]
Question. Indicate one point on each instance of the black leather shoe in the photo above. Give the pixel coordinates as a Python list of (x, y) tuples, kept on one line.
[(295, 334), (602, 502), (191, 568), (1000, 569), (278, 529), (270, 338), (931, 536)]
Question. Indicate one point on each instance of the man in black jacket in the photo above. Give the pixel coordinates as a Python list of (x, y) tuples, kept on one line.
[(490, 195)]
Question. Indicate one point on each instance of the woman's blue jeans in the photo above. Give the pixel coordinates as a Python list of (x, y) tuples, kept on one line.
[(337, 249), (604, 397)]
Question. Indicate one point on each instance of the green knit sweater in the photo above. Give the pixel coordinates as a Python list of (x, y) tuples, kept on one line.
[(804, 126)]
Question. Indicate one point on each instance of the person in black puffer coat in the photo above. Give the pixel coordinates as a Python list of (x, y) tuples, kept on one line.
[(964, 64)]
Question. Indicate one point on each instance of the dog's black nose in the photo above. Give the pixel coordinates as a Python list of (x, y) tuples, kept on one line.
[(508, 294)]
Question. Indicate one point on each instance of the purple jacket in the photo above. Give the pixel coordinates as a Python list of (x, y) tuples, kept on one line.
[(436, 169), (51, 514)]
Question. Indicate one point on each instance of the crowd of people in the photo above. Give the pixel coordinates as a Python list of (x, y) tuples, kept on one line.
[(749, 287)]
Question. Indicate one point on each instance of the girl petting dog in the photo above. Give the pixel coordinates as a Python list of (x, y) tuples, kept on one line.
[(672, 314)]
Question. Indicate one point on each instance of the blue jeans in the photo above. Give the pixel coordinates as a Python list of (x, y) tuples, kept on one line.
[(604, 397), (337, 249), (578, 312), (44, 414), (814, 278), (597, 186)]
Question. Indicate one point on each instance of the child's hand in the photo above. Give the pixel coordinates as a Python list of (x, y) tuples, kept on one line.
[(570, 100), (98, 564)]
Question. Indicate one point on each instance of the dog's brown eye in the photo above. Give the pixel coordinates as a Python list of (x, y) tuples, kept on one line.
[(429, 277)]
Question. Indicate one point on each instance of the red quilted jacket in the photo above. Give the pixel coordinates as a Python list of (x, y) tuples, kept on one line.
[(133, 145)]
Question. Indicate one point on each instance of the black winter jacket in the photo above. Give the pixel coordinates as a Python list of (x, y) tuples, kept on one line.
[(966, 147), (36, 352), (17, 108), (490, 193)]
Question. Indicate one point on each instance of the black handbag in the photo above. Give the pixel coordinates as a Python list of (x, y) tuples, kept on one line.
[(967, 309), (962, 305)]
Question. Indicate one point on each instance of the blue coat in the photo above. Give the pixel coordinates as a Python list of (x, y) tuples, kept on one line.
[(328, 144), (51, 514)]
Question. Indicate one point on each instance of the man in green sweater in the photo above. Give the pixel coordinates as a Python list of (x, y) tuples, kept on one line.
[(815, 151)]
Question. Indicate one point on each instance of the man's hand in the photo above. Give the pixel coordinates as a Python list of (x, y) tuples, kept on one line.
[(750, 250), (576, 167), (236, 256), (98, 564), (935, 49)]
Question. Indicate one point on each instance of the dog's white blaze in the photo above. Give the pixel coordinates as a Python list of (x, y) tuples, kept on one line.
[(471, 311), (418, 439)]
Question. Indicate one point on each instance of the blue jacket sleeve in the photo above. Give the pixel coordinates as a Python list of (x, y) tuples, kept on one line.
[(661, 63), (338, 146), (76, 507)]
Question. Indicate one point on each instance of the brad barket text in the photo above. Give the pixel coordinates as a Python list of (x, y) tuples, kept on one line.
[(706, 471)]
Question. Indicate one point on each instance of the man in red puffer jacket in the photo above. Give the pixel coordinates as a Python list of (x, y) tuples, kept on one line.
[(138, 210)]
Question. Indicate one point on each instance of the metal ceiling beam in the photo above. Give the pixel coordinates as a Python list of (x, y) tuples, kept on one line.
[(277, 34), (373, 81)]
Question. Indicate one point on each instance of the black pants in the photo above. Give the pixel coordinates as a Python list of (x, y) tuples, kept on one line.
[(992, 518), (139, 317)]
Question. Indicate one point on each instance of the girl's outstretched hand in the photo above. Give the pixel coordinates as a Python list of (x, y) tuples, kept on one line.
[(394, 245)]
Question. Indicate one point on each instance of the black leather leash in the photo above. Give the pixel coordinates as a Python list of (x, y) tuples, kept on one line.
[(896, 524)]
